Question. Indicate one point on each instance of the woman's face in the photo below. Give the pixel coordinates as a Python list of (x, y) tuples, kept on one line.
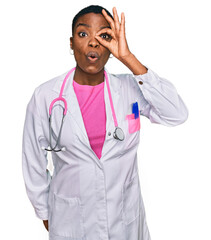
[(89, 54)]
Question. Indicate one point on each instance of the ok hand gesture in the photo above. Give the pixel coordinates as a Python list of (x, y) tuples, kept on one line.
[(117, 44)]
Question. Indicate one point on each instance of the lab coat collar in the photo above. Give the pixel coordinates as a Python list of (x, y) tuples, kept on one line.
[(114, 85)]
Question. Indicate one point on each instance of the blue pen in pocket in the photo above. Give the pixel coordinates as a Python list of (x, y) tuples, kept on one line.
[(135, 110)]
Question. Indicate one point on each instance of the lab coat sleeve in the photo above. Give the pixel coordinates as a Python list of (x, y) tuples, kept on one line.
[(159, 100), (34, 161)]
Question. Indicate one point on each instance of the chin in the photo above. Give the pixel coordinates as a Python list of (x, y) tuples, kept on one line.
[(92, 69)]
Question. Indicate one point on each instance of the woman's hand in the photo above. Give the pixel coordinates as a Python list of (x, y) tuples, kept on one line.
[(45, 222), (117, 43)]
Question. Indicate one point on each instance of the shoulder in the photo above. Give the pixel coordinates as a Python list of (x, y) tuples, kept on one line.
[(127, 79), (49, 85), (45, 91)]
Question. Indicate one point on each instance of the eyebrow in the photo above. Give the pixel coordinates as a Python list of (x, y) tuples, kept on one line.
[(86, 25)]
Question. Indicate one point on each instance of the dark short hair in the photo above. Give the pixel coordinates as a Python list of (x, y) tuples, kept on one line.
[(90, 9)]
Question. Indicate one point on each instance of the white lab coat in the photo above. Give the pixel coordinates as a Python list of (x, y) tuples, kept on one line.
[(88, 198)]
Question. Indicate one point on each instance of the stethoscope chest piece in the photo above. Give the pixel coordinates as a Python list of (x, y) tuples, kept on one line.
[(119, 134)]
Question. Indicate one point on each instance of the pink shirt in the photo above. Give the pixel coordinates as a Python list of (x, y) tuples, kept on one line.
[(92, 105)]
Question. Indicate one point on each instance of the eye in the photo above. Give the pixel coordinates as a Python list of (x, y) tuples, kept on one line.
[(105, 36), (82, 34)]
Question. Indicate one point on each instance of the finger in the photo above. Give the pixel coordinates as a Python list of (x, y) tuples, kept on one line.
[(116, 19), (122, 26), (103, 42), (108, 18)]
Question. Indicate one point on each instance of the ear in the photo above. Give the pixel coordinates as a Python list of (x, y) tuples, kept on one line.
[(71, 42)]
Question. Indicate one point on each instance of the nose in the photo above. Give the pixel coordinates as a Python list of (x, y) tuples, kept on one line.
[(93, 42)]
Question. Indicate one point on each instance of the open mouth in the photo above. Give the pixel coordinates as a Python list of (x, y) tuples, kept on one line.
[(93, 56)]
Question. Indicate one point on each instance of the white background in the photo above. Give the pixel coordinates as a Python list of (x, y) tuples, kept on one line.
[(173, 39)]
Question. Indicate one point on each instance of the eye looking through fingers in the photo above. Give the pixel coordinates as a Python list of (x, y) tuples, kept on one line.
[(105, 36)]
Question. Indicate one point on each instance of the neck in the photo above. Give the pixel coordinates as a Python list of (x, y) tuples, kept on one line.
[(85, 78)]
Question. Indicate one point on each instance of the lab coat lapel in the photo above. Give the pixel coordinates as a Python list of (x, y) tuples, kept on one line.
[(72, 104), (115, 85), (74, 109)]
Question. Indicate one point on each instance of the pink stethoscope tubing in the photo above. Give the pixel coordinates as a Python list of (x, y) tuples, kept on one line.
[(118, 133), (60, 98)]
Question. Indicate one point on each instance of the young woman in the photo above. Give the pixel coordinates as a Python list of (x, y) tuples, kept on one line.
[(94, 192)]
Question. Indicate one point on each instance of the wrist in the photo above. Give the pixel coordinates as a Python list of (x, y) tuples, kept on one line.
[(134, 64), (126, 58)]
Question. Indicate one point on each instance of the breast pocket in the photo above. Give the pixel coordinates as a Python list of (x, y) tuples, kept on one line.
[(131, 197), (66, 217), (134, 124)]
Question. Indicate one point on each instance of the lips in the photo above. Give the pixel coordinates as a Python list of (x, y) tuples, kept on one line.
[(92, 56)]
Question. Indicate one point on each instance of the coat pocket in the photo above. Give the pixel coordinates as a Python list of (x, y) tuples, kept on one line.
[(66, 217), (131, 200), (133, 124)]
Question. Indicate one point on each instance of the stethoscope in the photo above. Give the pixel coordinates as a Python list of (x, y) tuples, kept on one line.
[(118, 132)]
